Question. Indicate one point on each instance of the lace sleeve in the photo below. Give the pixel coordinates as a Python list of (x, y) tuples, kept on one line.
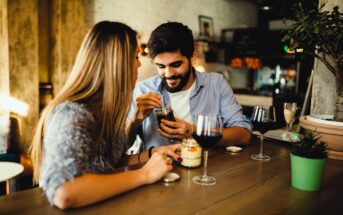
[(68, 135)]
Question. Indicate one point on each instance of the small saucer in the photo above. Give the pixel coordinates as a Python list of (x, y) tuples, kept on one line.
[(233, 149), (171, 177)]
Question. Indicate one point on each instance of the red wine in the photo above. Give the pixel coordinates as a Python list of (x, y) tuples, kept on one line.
[(209, 140), (263, 127)]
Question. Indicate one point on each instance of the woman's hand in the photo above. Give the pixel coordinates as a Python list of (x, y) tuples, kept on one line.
[(175, 130), (145, 104), (172, 151), (157, 166)]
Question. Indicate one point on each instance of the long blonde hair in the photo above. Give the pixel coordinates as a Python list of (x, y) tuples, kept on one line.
[(104, 64)]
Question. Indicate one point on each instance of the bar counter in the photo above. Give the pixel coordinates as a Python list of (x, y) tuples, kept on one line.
[(244, 186)]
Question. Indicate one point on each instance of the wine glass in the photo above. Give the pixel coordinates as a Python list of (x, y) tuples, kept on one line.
[(263, 119), (208, 132), (289, 111)]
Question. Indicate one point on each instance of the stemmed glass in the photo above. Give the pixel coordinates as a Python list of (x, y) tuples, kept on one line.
[(209, 130), (289, 111), (263, 119)]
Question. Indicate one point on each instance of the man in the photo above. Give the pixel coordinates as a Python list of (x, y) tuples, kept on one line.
[(186, 91)]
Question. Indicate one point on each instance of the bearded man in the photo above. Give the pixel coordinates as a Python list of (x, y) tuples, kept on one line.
[(188, 92)]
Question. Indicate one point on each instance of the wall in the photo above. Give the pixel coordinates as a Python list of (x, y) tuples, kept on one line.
[(324, 88), (67, 31), (4, 58), (144, 16), (44, 40), (19, 59), (4, 74), (32, 53)]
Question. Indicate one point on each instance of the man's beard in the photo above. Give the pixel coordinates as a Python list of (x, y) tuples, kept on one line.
[(182, 83)]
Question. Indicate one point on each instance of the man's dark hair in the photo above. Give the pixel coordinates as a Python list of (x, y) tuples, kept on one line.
[(171, 37)]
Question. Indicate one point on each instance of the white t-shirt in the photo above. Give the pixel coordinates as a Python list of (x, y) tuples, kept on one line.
[(179, 102)]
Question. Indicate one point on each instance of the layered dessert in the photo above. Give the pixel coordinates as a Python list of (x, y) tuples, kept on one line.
[(190, 153)]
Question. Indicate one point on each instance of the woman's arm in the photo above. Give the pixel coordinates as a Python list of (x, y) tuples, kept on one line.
[(90, 188), (172, 151), (131, 129)]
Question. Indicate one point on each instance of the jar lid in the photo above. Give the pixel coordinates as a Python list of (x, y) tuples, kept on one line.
[(190, 142), (171, 177), (234, 149)]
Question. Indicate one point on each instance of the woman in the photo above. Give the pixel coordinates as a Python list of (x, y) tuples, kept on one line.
[(81, 132)]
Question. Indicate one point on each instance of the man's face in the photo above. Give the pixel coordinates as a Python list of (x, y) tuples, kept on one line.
[(174, 69)]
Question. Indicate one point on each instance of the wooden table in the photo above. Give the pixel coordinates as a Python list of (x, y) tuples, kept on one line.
[(244, 186)]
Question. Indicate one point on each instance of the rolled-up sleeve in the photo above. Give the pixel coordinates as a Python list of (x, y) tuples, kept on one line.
[(67, 141), (231, 111)]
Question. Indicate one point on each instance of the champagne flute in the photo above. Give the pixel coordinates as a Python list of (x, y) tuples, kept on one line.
[(263, 119), (289, 111), (209, 130)]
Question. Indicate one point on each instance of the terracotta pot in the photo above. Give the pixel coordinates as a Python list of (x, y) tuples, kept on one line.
[(330, 131), (339, 107)]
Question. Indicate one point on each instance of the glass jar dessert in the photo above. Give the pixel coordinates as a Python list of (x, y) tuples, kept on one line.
[(190, 153)]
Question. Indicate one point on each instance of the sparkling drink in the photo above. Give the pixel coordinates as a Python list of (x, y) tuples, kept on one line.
[(289, 111), (289, 115)]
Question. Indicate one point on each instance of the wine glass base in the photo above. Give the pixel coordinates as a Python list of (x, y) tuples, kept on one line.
[(260, 157), (204, 180)]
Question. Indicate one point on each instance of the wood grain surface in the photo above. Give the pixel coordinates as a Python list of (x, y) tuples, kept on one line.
[(244, 186)]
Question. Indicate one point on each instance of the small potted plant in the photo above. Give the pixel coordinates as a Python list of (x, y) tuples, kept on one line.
[(308, 159)]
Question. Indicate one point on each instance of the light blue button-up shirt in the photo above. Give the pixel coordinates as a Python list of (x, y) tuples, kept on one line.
[(211, 95)]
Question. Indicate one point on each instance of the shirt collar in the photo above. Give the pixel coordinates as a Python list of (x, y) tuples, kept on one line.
[(159, 84), (199, 80)]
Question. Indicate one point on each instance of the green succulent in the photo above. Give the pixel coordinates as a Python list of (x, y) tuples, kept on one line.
[(310, 147)]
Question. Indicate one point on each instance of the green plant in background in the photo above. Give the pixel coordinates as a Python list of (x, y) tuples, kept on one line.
[(322, 30), (320, 34), (310, 147)]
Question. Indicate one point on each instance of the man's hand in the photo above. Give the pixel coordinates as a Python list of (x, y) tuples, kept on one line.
[(175, 130), (145, 104)]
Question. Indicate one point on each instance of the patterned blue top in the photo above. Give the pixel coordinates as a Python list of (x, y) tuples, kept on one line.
[(211, 95), (70, 149)]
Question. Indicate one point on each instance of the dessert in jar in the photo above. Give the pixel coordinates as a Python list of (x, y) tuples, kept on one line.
[(190, 153)]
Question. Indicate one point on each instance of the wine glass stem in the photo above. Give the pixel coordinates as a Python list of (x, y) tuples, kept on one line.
[(261, 144), (204, 173)]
